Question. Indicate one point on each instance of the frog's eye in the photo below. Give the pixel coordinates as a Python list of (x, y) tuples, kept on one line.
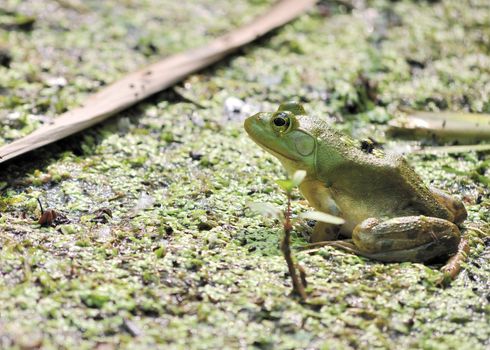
[(281, 121)]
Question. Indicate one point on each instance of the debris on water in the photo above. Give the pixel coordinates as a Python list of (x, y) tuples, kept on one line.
[(56, 81), (123, 124), (195, 155), (132, 328), (206, 225), (51, 217), (102, 215), (5, 57), (236, 109), (145, 201), (104, 233), (11, 21), (401, 147)]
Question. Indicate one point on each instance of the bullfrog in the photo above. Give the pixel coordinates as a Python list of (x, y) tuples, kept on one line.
[(390, 214)]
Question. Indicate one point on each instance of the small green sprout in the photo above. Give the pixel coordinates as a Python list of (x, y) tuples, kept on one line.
[(268, 210), (297, 273), (323, 217), (288, 185)]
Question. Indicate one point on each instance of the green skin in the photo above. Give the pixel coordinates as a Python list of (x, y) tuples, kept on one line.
[(389, 212)]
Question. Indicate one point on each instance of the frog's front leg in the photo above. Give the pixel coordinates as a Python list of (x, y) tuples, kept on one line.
[(324, 232), (320, 198)]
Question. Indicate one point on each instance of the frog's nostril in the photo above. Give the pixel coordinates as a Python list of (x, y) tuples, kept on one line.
[(260, 117)]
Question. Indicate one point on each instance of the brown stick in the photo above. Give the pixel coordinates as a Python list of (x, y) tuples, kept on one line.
[(156, 77), (298, 287)]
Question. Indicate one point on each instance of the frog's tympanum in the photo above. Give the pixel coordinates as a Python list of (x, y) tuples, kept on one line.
[(390, 214)]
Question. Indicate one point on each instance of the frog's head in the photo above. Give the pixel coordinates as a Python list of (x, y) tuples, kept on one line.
[(285, 134)]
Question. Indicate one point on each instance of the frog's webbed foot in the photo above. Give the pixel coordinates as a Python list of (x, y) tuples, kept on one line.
[(346, 245), (453, 265)]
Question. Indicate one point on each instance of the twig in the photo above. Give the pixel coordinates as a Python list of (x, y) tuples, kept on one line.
[(40, 206), (156, 77), (298, 286)]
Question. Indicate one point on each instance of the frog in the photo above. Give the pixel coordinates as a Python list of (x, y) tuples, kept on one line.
[(389, 213)]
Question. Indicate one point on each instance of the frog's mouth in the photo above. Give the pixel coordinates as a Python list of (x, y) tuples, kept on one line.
[(254, 126), (275, 153)]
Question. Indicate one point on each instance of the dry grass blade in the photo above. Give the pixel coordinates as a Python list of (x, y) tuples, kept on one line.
[(156, 77), (483, 148), (442, 126)]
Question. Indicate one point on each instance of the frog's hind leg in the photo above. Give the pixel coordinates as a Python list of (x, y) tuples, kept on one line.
[(408, 238)]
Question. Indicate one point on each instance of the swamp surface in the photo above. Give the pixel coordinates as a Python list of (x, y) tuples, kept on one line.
[(158, 248)]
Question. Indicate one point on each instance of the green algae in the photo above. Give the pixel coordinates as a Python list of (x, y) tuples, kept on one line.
[(180, 259)]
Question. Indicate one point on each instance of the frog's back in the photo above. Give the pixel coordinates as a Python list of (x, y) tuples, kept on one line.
[(390, 187), (370, 183)]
